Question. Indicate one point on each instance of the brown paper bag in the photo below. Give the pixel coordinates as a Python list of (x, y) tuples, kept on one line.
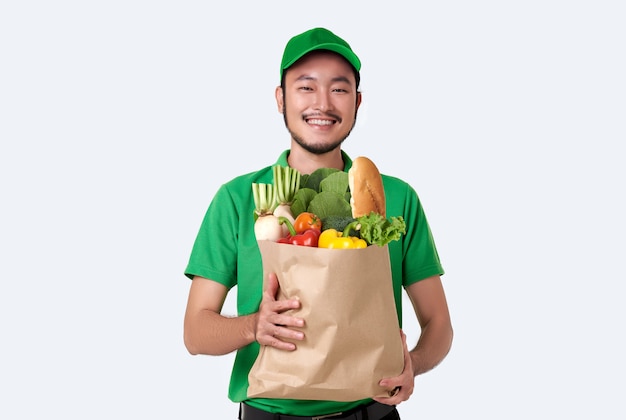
[(352, 337)]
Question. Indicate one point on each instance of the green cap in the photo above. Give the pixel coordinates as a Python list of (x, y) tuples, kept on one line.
[(317, 39)]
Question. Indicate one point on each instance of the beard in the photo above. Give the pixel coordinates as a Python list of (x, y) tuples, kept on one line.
[(317, 149)]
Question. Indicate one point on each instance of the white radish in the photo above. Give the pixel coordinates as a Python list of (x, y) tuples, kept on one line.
[(266, 225), (268, 228), (284, 210)]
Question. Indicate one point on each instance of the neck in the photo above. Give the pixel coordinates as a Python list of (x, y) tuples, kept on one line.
[(306, 162)]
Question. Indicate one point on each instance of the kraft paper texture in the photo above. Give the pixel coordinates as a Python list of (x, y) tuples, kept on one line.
[(352, 337)]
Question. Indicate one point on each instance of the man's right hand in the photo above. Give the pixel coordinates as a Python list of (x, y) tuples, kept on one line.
[(273, 325)]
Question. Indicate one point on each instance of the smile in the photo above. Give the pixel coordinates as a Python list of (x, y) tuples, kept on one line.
[(320, 122)]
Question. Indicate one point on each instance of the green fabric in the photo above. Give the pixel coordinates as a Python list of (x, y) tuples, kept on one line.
[(226, 251), (316, 39)]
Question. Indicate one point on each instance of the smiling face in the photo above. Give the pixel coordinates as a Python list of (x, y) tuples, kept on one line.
[(319, 102)]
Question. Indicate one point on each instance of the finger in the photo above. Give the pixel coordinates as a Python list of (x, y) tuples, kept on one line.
[(394, 391), (280, 338), (279, 344), (284, 320), (271, 286), (392, 387), (273, 341), (280, 306), (396, 400), (284, 333), (274, 326), (394, 396)]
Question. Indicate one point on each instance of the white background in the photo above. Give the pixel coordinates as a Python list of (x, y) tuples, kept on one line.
[(120, 119)]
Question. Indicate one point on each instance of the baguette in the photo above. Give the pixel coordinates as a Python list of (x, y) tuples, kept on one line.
[(366, 188)]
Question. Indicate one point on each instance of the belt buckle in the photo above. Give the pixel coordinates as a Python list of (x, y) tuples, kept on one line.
[(326, 416)]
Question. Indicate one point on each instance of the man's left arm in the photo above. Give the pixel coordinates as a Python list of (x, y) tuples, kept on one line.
[(431, 309)]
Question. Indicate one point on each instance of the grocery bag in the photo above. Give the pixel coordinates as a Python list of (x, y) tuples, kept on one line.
[(352, 337)]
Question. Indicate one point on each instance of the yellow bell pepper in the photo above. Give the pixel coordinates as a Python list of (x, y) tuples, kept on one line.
[(332, 239)]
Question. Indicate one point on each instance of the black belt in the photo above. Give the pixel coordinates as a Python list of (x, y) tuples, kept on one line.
[(371, 411)]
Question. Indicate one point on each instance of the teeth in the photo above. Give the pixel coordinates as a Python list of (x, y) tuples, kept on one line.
[(320, 122)]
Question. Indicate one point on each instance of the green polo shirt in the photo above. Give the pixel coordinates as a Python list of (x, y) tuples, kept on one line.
[(226, 251)]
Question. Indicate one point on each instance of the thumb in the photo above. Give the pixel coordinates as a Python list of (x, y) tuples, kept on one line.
[(271, 286)]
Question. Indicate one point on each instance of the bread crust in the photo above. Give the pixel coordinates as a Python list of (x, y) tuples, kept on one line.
[(366, 188)]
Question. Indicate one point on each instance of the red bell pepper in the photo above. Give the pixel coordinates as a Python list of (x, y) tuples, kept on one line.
[(308, 237)]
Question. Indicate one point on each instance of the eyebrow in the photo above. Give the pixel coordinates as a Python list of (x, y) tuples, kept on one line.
[(334, 79)]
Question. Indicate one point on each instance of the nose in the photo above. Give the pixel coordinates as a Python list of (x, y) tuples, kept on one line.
[(323, 101)]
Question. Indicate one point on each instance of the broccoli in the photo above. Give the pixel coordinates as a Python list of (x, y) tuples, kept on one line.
[(338, 223)]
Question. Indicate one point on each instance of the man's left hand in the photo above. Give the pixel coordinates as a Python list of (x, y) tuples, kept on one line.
[(400, 387)]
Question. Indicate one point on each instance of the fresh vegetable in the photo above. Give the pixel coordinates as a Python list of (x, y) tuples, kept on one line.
[(327, 203), (371, 229), (286, 183), (317, 178), (307, 220), (304, 237), (323, 192), (266, 224), (336, 222), (334, 239), (378, 230), (307, 238)]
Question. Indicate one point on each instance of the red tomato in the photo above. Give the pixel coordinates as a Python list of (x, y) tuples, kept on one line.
[(306, 221)]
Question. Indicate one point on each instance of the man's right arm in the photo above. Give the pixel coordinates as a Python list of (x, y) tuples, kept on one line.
[(206, 331)]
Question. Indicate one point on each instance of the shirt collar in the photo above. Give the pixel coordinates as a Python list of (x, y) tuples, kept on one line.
[(347, 162)]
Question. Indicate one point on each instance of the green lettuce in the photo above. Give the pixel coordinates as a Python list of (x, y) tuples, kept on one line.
[(377, 230)]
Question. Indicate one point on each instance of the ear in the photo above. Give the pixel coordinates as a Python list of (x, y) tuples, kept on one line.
[(358, 100), (279, 98)]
